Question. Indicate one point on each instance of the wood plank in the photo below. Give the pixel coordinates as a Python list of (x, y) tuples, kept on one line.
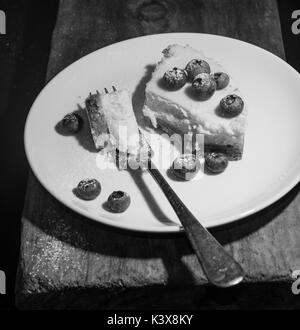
[(65, 258)]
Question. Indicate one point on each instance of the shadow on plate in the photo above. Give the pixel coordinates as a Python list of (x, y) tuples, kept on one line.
[(83, 137), (137, 176), (138, 96)]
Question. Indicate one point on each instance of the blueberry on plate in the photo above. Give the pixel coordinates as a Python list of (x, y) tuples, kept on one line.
[(195, 67), (72, 123), (221, 79), (231, 105), (204, 86), (175, 78), (88, 189), (186, 166), (216, 162), (118, 201)]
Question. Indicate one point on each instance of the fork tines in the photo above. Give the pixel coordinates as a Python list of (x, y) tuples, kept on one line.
[(106, 90)]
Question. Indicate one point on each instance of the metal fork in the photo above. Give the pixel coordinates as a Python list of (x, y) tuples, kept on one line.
[(219, 267)]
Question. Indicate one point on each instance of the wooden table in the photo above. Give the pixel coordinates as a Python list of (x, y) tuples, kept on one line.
[(70, 262)]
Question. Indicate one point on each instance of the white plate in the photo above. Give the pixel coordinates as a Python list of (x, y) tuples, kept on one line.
[(270, 166)]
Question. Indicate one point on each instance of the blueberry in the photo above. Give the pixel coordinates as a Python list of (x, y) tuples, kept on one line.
[(186, 166), (216, 162), (195, 67), (175, 78), (118, 201), (231, 105), (88, 189), (221, 79), (72, 123), (204, 86)]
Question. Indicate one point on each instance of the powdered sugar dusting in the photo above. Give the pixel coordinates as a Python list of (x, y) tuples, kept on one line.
[(54, 255)]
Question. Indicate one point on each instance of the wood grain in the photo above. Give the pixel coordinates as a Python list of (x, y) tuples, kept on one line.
[(70, 262)]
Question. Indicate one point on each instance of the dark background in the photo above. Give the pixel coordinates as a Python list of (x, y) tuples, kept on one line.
[(24, 52)]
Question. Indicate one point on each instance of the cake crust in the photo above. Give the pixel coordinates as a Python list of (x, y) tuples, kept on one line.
[(97, 122)]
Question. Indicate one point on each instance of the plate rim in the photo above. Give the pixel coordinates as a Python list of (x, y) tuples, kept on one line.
[(156, 229)]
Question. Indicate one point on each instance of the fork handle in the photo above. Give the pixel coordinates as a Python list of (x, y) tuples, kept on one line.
[(219, 267)]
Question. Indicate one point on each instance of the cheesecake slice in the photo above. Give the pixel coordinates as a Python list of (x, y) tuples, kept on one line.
[(179, 111), (112, 120)]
